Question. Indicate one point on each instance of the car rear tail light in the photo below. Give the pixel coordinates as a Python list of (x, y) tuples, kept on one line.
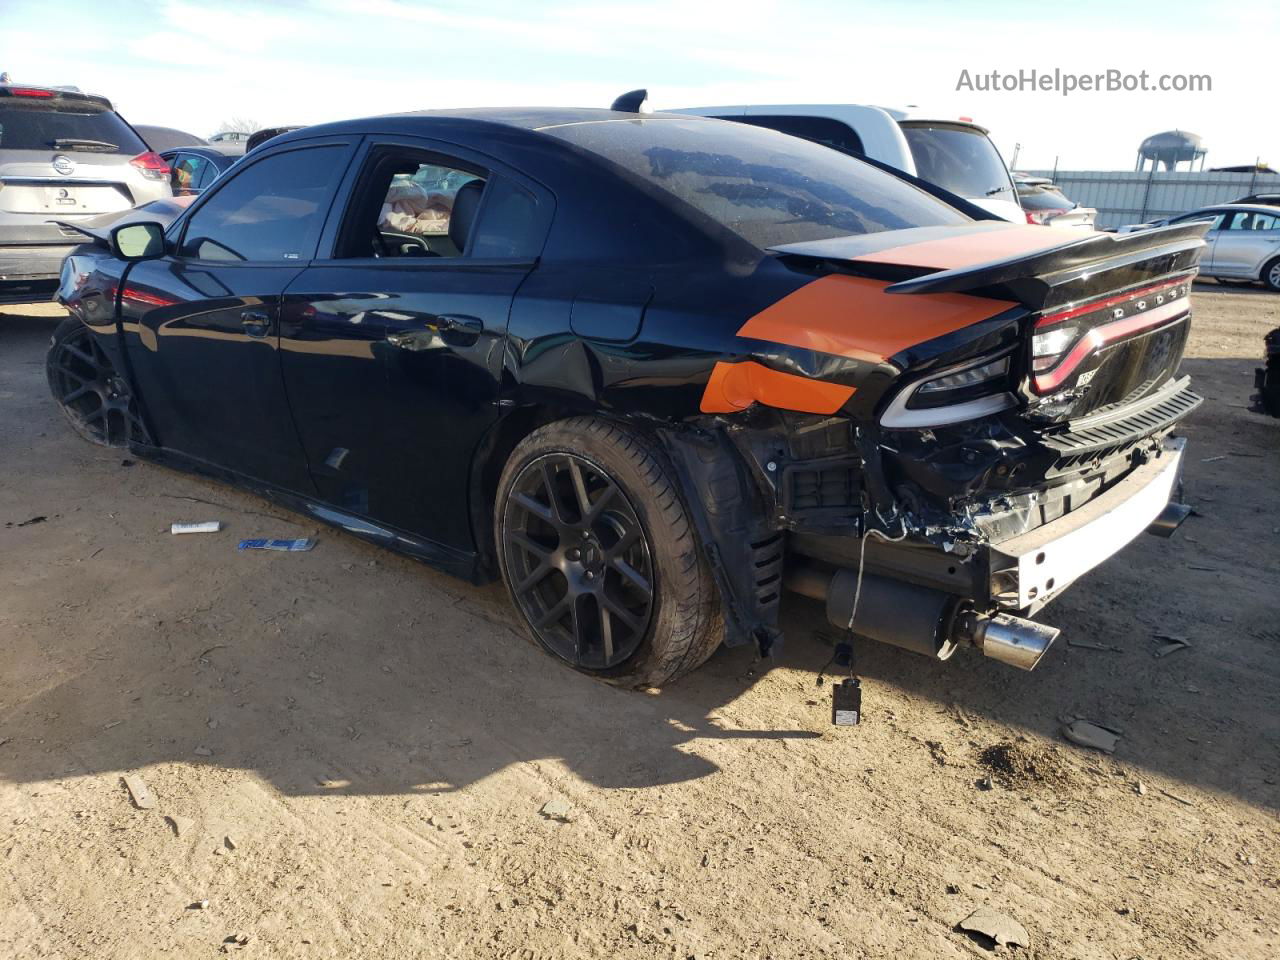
[(30, 92), (966, 379), (1063, 340), (1041, 217), (151, 165), (956, 395)]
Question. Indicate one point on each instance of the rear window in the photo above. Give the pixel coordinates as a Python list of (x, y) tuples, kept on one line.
[(767, 188), (64, 124), (1045, 200), (959, 159)]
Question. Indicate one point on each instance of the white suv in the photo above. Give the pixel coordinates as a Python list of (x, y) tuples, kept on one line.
[(64, 155), (953, 154)]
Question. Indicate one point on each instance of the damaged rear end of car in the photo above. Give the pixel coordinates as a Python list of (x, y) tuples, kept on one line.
[(989, 416)]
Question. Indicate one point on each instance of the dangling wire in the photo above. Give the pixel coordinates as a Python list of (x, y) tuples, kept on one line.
[(862, 553)]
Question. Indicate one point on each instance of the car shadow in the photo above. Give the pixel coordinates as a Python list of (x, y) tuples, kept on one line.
[(349, 670)]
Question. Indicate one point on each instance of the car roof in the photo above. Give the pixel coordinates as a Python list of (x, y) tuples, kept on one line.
[(1254, 207), (532, 119)]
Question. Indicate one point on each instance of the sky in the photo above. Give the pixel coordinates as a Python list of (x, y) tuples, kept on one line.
[(197, 65)]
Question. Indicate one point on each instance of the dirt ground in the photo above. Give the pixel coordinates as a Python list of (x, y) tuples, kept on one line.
[(378, 742)]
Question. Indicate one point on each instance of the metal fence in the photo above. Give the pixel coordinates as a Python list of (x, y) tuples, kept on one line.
[(1122, 197)]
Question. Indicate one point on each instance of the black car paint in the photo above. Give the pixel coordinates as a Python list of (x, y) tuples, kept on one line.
[(621, 316)]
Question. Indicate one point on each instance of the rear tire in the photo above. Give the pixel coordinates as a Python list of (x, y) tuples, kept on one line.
[(600, 556), (92, 395), (1271, 275)]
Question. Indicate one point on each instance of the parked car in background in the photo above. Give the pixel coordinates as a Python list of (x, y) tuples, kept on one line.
[(650, 370), (1045, 204), (161, 139), (955, 154), (230, 136), (64, 155), (1266, 199), (1243, 241), (192, 169), (259, 137)]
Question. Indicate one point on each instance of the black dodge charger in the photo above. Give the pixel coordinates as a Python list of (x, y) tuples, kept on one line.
[(651, 370)]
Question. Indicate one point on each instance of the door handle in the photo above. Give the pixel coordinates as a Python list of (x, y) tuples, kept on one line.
[(255, 324), (426, 338), (460, 322)]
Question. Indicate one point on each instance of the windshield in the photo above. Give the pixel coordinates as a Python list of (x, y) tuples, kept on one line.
[(959, 159), (64, 124), (766, 187)]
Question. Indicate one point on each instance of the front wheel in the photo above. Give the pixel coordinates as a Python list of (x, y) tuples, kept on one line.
[(93, 396), (600, 555)]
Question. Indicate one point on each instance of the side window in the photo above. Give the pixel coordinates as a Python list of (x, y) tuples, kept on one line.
[(270, 211), (1239, 220), (823, 130), (1265, 221)]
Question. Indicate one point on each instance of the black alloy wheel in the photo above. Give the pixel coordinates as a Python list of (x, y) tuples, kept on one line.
[(579, 561), (93, 396)]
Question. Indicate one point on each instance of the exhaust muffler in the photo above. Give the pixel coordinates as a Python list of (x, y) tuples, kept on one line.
[(920, 619)]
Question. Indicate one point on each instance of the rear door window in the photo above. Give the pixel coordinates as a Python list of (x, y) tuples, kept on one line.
[(272, 211), (69, 124), (411, 203), (960, 159)]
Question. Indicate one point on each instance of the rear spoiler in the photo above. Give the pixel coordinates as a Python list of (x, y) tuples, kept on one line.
[(1065, 262)]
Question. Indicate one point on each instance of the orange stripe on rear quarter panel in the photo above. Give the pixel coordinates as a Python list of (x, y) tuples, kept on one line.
[(973, 248), (853, 317), (735, 386)]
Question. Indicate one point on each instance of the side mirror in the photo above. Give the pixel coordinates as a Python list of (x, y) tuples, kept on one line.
[(138, 241)]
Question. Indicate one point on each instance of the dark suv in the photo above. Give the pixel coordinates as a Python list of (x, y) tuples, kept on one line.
[(66, 156)]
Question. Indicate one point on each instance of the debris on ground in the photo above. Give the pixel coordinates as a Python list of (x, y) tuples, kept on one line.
[(204, 526), (202, 752), (180, 824), (285, 546), (142, 798), (1140, 788), (1001, 929), (228, 843), (1086, 734), (558, 809), (1172, 644), (27, 523), (1173, 796), (234, 942), (199, 905), (1090, 645), (1019, 765)]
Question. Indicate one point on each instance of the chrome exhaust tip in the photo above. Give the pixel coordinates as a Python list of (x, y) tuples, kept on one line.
[(1012, 640)]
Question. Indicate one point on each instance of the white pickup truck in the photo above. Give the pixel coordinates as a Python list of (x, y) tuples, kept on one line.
[(954, 154)]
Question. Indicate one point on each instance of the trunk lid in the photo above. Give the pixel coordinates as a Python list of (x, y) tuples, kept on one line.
[(1108, 314)]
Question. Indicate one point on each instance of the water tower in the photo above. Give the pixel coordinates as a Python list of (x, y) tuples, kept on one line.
[(1171, 148)]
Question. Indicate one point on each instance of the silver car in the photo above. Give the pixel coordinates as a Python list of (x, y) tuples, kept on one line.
[(1243, 241), (64, 155)]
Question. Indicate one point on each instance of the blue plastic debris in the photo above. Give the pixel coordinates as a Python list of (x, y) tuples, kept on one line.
[(289, 546)]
